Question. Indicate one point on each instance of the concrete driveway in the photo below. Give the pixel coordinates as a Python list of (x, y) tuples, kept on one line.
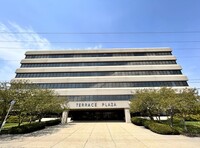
[(97, 135)]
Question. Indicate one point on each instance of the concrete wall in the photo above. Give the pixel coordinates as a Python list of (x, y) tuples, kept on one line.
[(99, 68), (99, 59), (105, 50)]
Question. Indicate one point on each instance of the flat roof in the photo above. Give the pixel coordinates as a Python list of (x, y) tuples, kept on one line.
[(103, 50)]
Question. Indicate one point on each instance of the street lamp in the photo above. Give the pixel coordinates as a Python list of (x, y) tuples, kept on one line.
[(10, 108), (6, 86)]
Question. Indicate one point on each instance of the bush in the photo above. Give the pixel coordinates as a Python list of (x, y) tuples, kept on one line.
[(52, 122), (147, 123), (162, 129), (27, 128), (12, 119), (138, 121), (193, 118)]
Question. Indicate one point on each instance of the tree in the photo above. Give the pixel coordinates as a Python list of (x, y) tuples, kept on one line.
[(33, 101), (45, 101), (168, 101), (188, 103), (5, 99), (21, 92), (144, 101)]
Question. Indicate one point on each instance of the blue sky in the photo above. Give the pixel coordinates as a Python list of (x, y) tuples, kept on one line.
[(78, 16)]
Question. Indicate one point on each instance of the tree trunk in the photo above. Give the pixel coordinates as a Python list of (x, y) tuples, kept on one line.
[(184, 124), (30, 121), (158, 114), (171, 116), (150, 115), (40, 118), (19, 120)]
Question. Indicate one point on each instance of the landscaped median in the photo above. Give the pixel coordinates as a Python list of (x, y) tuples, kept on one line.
[(162, 127), (29, 127)]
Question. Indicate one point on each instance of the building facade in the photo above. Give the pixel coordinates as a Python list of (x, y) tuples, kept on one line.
[(100, 83)]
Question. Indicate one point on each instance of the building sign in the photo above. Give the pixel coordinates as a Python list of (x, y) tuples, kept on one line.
[(94, 104), (98, 104)]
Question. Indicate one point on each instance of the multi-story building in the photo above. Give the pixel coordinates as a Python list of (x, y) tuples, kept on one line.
[(100, 83)]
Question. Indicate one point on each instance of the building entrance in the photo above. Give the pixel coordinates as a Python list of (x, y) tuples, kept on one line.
[(97, 115)]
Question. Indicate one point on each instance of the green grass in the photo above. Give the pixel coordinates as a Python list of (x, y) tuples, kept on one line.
[(192, 126), (9, 125), (193, 123)]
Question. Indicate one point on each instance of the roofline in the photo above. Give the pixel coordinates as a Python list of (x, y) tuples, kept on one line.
[(102, 50)]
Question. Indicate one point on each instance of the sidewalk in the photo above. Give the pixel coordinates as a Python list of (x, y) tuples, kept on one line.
[(98, 135)]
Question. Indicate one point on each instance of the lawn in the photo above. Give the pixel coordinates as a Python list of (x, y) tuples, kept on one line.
[(9, 125), (192, 126), (193, 123)]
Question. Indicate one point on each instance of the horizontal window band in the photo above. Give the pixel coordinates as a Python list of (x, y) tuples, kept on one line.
[(99, 98), (105, 73), (112, 84), (156, 62), (96, 55)]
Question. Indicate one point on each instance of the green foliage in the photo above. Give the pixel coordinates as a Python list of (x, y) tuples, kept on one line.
[(138, 121), (27, 128), (167, 101), (31, 101), (46, 101), (52, 122), (31, 127), (5, 99), (144, 101), (154, 126), (162, 129), (147, 123), (193, 117), (12, 119)]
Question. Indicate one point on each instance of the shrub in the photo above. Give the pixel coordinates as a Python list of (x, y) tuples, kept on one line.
[(52, 122), (147, 123), (27, 128), (193, 118), (162, 129), (138, 121), (12, 119)]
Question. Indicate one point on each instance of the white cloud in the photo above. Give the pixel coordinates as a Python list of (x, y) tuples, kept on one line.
[(95, 47), (11, 53)]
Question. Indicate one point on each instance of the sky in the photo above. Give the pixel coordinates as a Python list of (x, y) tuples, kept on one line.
[(93, 24)]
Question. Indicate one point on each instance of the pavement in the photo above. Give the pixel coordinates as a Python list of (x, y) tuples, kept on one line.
[(98, 135)]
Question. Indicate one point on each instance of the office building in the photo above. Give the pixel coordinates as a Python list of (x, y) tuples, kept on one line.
[(100, 83)]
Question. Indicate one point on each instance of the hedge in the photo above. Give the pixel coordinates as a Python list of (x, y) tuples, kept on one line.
[(154, 126), (162, 129), (147, 123), (28, 128), (138, 121), (52, 122)]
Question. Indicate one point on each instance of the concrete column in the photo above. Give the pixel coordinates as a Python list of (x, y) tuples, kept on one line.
[(64, 117), (127, 115)]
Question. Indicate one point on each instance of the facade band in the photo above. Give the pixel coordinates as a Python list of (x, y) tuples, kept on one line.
[(100, 83)]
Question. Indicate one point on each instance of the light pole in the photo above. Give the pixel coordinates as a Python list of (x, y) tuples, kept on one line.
[(6, 86), (4, 121)]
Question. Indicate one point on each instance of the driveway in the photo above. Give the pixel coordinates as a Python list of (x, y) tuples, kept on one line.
[(98, 135)]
